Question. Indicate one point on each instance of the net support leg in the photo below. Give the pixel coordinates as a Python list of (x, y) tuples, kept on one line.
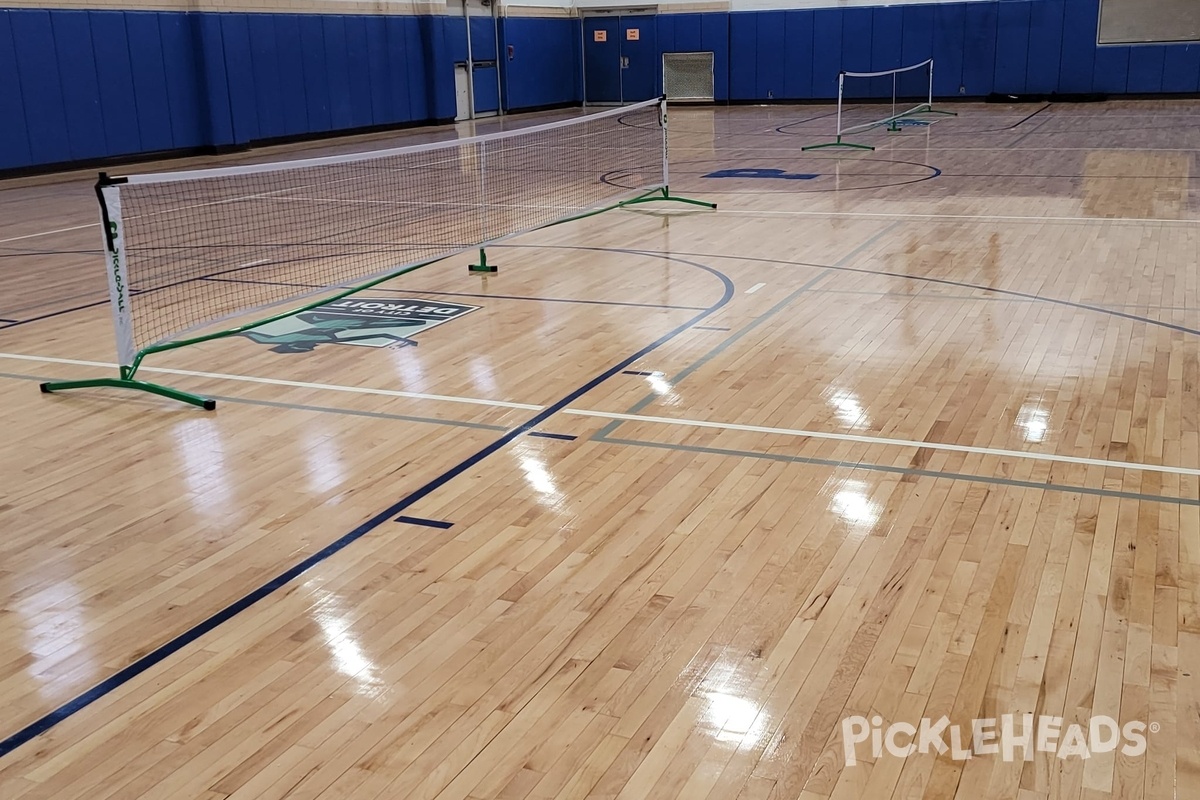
[(130, 383), (837, 143), (483, 265), (665, 195)]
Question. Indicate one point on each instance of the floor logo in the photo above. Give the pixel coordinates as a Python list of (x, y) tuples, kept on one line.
[(365, 322)]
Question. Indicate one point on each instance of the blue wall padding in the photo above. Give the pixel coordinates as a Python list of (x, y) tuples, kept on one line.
[(743, 46), (546, 63), (798, 62), (78, 85), (41, 86), (826, 53), (483, 39), (487, 92)]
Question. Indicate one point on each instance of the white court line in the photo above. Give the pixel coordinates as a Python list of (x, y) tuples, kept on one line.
[(755, 288), (849, 437), (986, 217), (278, 382), (612, 415), (48, 233)]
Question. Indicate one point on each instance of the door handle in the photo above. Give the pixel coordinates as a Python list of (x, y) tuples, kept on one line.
[(624, 62)]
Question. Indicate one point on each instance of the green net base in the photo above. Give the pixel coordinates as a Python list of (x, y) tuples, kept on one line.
[(124, 383)]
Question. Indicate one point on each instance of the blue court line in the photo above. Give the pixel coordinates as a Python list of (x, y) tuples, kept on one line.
[(710, 328), (164, 651), (428, 523), (643, 373), (566, 437)]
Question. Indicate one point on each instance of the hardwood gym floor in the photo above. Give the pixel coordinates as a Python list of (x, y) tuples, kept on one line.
[(915, 437)]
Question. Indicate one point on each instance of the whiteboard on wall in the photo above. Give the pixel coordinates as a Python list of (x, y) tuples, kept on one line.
[(1139, 21)]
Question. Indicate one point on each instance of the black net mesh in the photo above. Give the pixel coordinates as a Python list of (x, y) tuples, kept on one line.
[(226, 242)]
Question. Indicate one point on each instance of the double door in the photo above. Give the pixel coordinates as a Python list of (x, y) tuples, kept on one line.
[(620, 59)]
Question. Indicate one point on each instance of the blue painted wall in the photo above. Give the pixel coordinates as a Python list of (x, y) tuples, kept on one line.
[(1007, 46), (77, 85), (546, 63)]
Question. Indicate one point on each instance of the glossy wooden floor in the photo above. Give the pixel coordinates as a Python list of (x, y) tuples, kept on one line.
[(916, 437)]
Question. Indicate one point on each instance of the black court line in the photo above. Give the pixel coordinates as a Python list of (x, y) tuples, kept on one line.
[(566, 437), (428, 523), (174, 645), (640, 372), (8, 320), (53, 314)]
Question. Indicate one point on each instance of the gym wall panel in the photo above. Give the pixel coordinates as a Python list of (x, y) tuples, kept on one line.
[(14, 138), (483, 39), (689, 33), (376, 56), (189, 124), (266, 79), (1145, 68), (545, 66), (1045, 46), (665, 31), (213, 80), (38, 75), (743, 56), (826, 52), (798, 63), (1078, 56), (439, 72), (949, 36), (981, 45), (358, 69), (149, 80), (916, 45), (1181, 68), (337, 71), (293, 90), (81, 89), (487, 94), (769, 73), (714, 36), (887, 31), (857, 24), (1012, 47), (1110, 70), (398, 72), (454, 31), (239, 71), (316, 79)]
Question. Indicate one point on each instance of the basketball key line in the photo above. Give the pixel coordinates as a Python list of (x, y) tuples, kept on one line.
[(799, 433)]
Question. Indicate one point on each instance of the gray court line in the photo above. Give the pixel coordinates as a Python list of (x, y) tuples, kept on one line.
[(925, 473), (741, 332), (346, 412)]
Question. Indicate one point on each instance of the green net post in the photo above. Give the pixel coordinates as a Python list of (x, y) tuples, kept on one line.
[(483, 265)]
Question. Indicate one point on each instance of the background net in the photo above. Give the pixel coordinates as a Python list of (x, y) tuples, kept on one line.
[(215, 244)]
